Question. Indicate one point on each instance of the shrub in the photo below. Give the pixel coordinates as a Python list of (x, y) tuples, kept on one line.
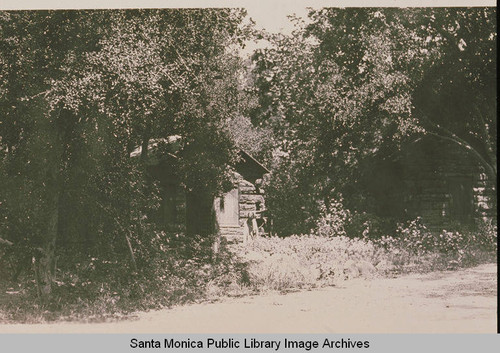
[(332, 219), (304, 261), (486, 237), (416, 248), (181, 269), (368, 226)]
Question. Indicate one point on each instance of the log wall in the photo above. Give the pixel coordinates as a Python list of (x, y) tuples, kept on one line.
[(445, 185)]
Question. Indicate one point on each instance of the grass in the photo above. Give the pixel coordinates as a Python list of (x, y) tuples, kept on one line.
[(304, 261), (309, 261)]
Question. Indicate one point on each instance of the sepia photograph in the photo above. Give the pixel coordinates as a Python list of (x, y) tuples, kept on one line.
[(265, 168)]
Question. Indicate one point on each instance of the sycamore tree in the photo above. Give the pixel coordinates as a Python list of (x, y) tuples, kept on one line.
[(39, 133), (456, 98), (334, 98), (80, 90), (357, 83)]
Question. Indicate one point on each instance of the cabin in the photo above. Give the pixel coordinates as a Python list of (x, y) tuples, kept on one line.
[(435, 180), (240, 212)]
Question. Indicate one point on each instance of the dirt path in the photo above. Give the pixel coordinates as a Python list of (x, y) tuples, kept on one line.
[(462, 301)]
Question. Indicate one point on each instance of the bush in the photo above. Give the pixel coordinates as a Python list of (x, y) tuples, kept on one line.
[(486, 238), (416, 248), (368, 226), (175, 269), (324, 259), (336, 220), (304, 261), (333, 219), (93, 288)]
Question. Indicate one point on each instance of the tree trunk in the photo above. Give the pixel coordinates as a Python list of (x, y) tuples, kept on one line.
[(45, 261), (145, 143)]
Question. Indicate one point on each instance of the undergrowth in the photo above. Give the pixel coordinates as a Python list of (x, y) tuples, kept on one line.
[(97, 289), (305, 261), (186, 270), (315, 260)]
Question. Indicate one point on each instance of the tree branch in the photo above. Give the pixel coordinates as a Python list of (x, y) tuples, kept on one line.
[(127, 239), (450, 136), (484, 125), (6, 242)]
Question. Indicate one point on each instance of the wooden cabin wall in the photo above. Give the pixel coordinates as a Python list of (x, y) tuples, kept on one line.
[(251, 201), (439, 182)]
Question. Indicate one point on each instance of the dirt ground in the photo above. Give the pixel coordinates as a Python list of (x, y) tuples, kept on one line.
[(463, 301)]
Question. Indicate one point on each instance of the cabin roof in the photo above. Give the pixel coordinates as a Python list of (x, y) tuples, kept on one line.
[(246, 165), (153, 144), (250, 159)]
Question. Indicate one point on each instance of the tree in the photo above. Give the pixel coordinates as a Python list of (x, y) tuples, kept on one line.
[(456, 98), (80, 90), (354, 84), (334, 99), (448, 54), (37, 128)]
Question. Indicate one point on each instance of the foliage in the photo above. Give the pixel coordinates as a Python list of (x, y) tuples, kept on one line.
[(333, 219), (416, 246), (487, 236), (304, 261), (356, 84), (456, 97), (290, 200), (80, 90), (418, 239), (180, 270), (310, 260), (368, 226), (258, 141)]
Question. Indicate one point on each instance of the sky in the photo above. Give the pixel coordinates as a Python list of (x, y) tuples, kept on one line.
[(273, 16), (270, 13)]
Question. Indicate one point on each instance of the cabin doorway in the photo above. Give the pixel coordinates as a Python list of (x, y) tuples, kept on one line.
[(227, 208)]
